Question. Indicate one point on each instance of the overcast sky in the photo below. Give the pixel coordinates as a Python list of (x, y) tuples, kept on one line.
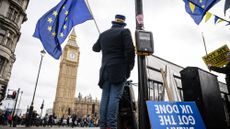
[(176, 38)]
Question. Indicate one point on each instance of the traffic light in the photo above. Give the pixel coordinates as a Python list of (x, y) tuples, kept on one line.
[(14, 94), (2, 92), (42, 106)]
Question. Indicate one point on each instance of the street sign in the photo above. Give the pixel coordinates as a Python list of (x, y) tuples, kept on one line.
[(174, 115), (218, 57)]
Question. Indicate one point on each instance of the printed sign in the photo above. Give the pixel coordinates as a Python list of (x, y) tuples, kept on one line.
[(174, 115), (218, 57)]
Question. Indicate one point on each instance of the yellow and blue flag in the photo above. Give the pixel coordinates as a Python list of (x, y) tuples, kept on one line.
[(54, 26), (204, 4), (198, 8)]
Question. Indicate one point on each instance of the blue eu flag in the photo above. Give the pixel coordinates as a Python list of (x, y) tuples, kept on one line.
[(54, 26), (198, 8), (204, 4)]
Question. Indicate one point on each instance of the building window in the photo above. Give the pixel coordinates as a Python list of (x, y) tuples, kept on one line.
[(9, 43), (13, 14), (17, 18), (10, 12), (1, 38), (14, 17), (9, 40), (20, 2), (2, 35), (2, 60), (155, 90)]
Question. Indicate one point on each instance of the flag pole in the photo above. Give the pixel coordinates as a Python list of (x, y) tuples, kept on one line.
[(204, 43), (87, 3), (205, 48)]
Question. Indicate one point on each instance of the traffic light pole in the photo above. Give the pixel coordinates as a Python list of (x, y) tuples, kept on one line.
[(42, 106), (15, 104), (142, 76)]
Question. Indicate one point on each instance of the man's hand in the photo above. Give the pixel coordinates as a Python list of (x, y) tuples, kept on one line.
[(209, 65)]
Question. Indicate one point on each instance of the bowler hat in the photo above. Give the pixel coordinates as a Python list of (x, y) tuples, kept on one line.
[(119, 20)]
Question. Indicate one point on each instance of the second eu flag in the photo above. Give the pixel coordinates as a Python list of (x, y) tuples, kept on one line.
[(198, 8), (54, 26)]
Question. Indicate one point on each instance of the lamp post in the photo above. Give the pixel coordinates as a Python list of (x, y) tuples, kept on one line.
[(36, 84)]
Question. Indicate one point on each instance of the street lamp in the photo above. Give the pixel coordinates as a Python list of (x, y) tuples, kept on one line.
[(36, 84)]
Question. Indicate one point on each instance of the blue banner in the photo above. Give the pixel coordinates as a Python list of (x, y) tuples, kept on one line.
[(174, 115)]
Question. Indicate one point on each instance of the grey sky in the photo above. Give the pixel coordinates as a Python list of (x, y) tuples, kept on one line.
[(176, 38)]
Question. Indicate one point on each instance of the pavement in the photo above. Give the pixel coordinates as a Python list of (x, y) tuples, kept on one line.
[(55, 127)]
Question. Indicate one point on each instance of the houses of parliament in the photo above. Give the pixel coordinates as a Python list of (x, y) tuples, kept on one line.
[(65, 102)]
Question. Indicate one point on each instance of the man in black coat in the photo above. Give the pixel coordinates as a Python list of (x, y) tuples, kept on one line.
[(117, 62)]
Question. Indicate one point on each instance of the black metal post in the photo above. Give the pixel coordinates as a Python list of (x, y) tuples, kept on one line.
[(19, 103), (16, 100), (32, 102), (42, 106), (142, 76), (15, 105)]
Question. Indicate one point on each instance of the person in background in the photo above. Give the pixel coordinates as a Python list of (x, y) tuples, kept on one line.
[(118, 57), (224, 70)]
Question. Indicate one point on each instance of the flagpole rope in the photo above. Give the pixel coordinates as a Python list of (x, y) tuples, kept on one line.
[(87, 3)]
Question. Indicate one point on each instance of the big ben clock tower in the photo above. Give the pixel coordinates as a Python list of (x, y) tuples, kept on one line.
[(66, 86)]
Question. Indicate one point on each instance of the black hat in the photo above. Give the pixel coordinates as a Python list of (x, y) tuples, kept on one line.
[(119, 20)]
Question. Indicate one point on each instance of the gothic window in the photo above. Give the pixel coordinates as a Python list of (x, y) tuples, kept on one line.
[(2, 60)]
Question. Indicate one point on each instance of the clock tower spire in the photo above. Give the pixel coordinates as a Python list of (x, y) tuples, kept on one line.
[(66, 86)]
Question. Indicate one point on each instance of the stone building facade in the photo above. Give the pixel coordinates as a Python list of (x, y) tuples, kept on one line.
[(12, 15), (86, 106)]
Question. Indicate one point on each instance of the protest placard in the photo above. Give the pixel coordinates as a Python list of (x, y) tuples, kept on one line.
[(174, 115), (217, 58)]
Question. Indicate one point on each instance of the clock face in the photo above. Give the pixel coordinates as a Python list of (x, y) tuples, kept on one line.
[(72, 55)]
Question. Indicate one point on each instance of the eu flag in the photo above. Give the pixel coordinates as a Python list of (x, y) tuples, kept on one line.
[(204, 4), (54, 26), (198, 8)]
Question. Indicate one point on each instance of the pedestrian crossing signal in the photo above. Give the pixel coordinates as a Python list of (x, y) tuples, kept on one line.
[(144, 42)]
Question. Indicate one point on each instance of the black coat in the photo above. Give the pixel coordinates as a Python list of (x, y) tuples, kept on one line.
[(117, 54), (225, 70)]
